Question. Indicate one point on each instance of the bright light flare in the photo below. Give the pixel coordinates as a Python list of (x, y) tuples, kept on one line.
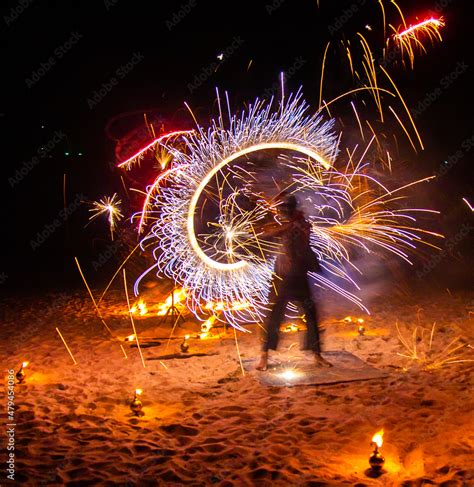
[(138, 392), (25, 364), (288, 374)]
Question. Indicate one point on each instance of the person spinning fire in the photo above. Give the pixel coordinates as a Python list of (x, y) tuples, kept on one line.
[(290, 282)]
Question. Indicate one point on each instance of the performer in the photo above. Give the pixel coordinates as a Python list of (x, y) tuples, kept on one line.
[(290, 283)]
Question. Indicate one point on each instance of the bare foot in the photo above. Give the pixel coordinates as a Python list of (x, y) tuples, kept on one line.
[(262, 365), (320, 361)]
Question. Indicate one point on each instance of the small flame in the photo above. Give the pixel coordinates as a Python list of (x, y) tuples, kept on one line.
[(130, 338), (351, 319), (25, 364), (178, 296), (138, 392), (186, 337), (139, 307), (378, 438), (206, 326)]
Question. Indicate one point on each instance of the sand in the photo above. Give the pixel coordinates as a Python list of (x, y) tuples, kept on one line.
[(206, 424)]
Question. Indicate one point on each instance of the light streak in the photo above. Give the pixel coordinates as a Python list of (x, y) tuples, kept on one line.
[(65, 344), (322, 73), (404, 105), (116, 273), (140, 154), (99, 314), (131, 318), (194, 200), (468, 204), (238, 353)]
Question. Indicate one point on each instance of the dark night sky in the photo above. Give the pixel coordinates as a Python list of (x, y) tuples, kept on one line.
[(107, 35)]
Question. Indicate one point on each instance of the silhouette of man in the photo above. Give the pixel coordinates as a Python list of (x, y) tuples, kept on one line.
[(290, 283)]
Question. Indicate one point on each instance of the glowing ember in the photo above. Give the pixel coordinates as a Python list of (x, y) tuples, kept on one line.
[(291, 328), (351, 319), (378, 438)]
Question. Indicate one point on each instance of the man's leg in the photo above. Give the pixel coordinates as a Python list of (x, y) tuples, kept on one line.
[(312, 341), (272, 324), (274, 320)]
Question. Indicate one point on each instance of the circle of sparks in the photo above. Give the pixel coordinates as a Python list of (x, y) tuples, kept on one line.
[(344, 213), (241, 286)]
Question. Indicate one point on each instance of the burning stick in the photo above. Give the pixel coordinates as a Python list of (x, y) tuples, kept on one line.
[(131, 318), (67, 348), (409, 38)]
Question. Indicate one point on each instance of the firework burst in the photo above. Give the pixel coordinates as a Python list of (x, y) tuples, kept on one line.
[(109, 206)]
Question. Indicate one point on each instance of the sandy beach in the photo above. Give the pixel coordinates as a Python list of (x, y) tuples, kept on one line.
[(204, 423)]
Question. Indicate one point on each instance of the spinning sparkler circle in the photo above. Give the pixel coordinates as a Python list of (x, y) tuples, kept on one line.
[(347, 214), (192, 206)]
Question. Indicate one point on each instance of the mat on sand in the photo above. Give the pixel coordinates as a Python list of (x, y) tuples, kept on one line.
[(346, 368)]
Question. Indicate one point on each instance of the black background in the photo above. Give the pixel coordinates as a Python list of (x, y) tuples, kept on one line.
[(159, 85)]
